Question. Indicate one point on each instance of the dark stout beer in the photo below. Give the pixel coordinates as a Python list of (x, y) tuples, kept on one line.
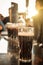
[(25, 46), (12, 30), (13, 36)]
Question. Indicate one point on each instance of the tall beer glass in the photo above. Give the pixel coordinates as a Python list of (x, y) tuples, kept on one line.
[(25, 39)]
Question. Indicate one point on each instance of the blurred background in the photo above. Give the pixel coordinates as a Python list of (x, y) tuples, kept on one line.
[(6, 4)]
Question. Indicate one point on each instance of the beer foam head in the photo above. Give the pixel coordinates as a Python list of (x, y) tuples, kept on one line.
[(11, 25), (22, 33), (25, 34)]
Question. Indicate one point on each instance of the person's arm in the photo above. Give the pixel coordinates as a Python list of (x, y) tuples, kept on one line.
[(3, 26)]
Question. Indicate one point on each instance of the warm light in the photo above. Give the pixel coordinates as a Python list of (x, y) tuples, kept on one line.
[(31, 20), (31, 9), (32, 13)]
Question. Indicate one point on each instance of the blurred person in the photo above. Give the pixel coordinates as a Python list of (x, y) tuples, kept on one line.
[(1, 17), (2, 26), (38, 22), (38, 34), (6, 20)]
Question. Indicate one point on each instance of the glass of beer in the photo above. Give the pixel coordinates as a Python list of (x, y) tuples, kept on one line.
[(13, 37), (25, 39), (12, 29)]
